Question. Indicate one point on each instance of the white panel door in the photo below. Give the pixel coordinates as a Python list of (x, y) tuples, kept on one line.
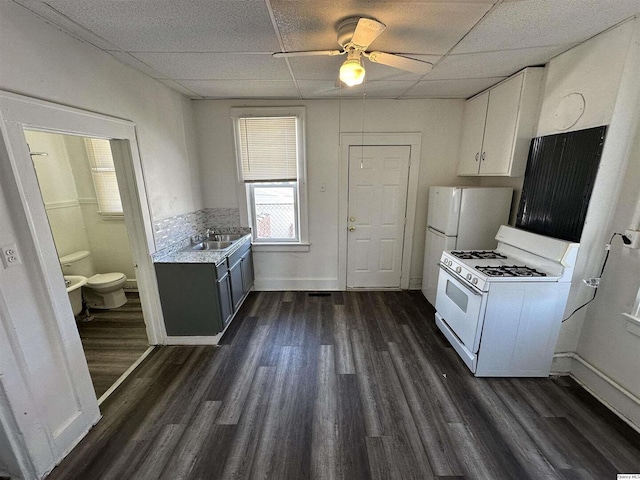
[(378, 178)]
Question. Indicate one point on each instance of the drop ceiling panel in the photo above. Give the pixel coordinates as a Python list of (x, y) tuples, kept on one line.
[(373, 89), (224, 66), (451, 88), (241, 88), (536, 23), (412, 27), (176, 25), (487, 64)]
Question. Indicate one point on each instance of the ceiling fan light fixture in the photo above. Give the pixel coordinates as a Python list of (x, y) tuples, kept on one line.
[(352, 72)]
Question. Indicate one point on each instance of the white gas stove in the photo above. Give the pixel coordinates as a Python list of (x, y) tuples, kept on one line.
[(501, 310)]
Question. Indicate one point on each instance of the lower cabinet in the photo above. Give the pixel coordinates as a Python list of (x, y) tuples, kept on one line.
[(200, 299)]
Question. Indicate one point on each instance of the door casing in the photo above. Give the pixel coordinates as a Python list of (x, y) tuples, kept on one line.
[(347, 140)]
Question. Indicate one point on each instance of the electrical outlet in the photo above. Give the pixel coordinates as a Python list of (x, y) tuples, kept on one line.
[(634, 236), (10, 256)]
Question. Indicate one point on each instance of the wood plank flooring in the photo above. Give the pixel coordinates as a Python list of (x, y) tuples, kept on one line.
[(113, 341), (351, 385)]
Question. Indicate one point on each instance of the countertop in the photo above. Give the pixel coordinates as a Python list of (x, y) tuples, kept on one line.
[(186, 255)]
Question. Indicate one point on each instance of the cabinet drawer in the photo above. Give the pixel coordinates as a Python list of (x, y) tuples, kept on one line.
[(237, 255), (221, 269)]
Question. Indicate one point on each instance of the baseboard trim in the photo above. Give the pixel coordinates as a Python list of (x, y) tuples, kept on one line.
[(606, 390)]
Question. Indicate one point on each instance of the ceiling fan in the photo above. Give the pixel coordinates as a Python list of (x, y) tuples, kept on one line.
[(355, 34)]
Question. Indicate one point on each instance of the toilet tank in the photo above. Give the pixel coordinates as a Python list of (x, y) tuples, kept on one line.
[(77, 263)]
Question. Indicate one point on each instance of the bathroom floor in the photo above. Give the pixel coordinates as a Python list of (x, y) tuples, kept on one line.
[(113, 341)]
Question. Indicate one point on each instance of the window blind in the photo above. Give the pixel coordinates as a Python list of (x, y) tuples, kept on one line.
[(268, 148), (104, 176)]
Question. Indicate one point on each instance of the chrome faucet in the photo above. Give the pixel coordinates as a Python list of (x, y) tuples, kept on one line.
[(211, 234)]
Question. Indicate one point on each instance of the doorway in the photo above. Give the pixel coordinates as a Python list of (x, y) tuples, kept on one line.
[(395, 257), (378, 179), (49, 378), (80, 195)]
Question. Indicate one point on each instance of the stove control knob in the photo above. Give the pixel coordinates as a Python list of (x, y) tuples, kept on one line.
[(458, 269), (468, 276), (474, 281)]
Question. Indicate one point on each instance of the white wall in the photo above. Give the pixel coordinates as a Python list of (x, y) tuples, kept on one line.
[(439, 122), (572, 72), (41, 61), (58, 189)]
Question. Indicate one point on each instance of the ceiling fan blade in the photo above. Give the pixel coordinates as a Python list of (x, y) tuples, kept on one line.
[(403, 63), (367, 31), (310, 53)]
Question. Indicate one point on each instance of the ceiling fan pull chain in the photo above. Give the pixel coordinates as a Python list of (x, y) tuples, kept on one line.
[(364, 93)]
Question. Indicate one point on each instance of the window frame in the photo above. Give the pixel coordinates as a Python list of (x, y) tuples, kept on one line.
[(243, 189), (98, 173), (254, 221)]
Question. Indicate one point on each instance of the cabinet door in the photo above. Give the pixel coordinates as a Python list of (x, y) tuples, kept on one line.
[(499, 132), (224, 294), (237, 291), (475, 113), (189, 299), (247, 272)]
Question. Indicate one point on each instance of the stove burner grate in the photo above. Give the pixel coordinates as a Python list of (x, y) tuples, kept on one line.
[(510, 271), (477, 254)]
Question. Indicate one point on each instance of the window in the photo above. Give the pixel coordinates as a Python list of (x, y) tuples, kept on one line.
[(271, 170), (104, 176)]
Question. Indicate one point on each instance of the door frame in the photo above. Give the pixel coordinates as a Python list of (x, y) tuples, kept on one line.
[(18, 113), (348, 140)]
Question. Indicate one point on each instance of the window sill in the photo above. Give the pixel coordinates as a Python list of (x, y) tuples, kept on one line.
[(633, 324), (281, 247)]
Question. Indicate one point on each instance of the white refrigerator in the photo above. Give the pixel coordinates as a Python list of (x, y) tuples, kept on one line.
[(461, 218)]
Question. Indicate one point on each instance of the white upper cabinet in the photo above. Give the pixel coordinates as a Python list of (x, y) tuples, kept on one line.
[(498, 126)]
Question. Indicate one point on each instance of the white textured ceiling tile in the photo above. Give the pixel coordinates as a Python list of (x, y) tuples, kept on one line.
[(536, 23), (451, 88), (327, 89), (223, 66), (242, 88), (412, 27), (176, 25), (491, 64)]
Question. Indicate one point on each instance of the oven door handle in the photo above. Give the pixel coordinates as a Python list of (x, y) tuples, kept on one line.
[(461, 282)]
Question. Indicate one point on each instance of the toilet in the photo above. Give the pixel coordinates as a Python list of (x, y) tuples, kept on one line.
[(102, 290)]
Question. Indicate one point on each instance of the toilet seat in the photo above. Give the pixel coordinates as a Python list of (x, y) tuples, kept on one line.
[(105, 279)]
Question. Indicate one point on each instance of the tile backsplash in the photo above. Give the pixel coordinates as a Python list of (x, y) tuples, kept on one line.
[(173, 231)]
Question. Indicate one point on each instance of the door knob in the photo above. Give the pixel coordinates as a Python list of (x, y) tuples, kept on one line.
[(352, 219), (351, 229)]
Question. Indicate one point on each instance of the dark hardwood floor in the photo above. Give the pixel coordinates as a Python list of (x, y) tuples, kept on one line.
[(113, 341), (352, 385)]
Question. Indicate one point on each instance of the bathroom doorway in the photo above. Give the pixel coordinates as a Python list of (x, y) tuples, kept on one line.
[(79, 188)]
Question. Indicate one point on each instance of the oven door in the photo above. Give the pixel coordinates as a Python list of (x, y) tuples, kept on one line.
[(462, 308)]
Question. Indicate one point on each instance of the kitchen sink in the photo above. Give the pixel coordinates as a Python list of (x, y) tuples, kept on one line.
[(228, 237), (212, 245)]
